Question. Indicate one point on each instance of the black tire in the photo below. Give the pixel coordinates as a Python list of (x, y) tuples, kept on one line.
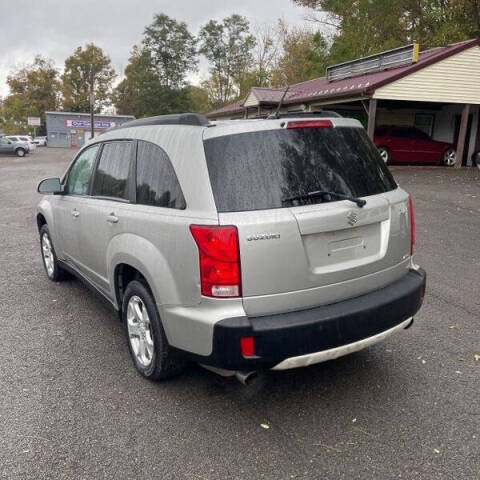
[(55, 273), (20, 152), (385, 154), (164, 363)]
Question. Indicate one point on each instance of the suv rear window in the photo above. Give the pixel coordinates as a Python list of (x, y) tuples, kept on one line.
[(256, 170)]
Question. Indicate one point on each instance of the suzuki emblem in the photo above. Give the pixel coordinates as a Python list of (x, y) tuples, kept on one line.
[(352, 218)]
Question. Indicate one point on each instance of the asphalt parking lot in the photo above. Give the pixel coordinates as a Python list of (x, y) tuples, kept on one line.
[(73, 407)]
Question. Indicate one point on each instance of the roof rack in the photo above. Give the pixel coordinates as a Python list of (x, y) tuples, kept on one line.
[(174, 119)]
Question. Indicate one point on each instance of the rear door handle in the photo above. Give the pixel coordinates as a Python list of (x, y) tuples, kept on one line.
[(75, 213), (112, 218)]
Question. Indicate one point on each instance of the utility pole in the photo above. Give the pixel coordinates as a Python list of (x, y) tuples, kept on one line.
[(92, 103)]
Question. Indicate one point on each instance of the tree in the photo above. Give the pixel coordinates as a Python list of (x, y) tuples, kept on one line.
[(2, 117), (265, 57), (76, 79), (172, 50), (135, 94), (449, 21), (198, 98), (305, 55), (155, 78), (364, 27), (142, 93), (33, 91), (228, 46)]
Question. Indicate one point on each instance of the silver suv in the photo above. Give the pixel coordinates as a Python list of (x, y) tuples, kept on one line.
[(18, 148), (243, 245)]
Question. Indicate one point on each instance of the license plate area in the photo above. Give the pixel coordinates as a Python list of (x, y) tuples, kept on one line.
[(347, 248)]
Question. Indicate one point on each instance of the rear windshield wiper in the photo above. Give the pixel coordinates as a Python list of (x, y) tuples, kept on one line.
[(325, 195)]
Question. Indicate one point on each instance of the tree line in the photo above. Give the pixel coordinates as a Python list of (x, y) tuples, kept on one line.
[(157, 78), (363, 27)]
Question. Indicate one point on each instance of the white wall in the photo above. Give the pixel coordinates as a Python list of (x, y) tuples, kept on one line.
[(455, 79), (444, 128)]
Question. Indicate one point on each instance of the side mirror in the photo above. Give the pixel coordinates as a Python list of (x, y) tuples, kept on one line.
[(50, 185), (9, 142)]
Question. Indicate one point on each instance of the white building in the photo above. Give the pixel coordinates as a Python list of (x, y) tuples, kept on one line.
[(437, 90)]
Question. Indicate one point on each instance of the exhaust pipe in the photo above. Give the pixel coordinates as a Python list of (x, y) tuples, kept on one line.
[(246, 378)]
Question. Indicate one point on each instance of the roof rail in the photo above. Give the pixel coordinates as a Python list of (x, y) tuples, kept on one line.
[(317, 113), (174, 119)]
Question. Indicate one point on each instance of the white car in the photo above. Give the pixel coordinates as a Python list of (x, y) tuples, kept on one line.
[(23, 138), (40, 141)]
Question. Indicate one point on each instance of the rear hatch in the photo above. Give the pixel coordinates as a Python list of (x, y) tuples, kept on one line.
[(318, 249)]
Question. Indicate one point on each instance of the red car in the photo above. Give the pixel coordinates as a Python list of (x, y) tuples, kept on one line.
[(411, 145)]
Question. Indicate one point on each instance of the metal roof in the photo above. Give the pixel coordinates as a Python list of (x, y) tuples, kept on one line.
[(232, 107), (271, 95), (82, 114), (362, 85)]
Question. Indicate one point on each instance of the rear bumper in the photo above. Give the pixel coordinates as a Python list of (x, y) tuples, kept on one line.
[(355, 323), (336, 352)]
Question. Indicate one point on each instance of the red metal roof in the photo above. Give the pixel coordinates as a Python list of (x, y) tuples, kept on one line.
[(271, 95), (365, 85), (231, 108)]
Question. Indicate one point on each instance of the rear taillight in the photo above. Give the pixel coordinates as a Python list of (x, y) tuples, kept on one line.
[(411, 212), (310, 124), (219, 260)]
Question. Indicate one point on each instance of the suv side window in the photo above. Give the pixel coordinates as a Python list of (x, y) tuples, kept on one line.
[(81, 171), (111, 176), (157, 183)]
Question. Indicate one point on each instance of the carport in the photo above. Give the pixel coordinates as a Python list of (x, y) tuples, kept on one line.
[(437, 90)]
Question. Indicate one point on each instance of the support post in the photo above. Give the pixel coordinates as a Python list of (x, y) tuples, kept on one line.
[(372, 114), (364, 105), (462, 135), (92, 103)]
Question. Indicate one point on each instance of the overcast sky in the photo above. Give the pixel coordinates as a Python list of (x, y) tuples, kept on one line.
[(54, 28)]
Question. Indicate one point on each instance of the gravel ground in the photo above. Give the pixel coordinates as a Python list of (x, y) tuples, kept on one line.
[(73, 407)]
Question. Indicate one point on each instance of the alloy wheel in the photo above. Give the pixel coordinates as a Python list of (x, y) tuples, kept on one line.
[(140, 333), (47, 253), (450, 158), (384, 154)]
